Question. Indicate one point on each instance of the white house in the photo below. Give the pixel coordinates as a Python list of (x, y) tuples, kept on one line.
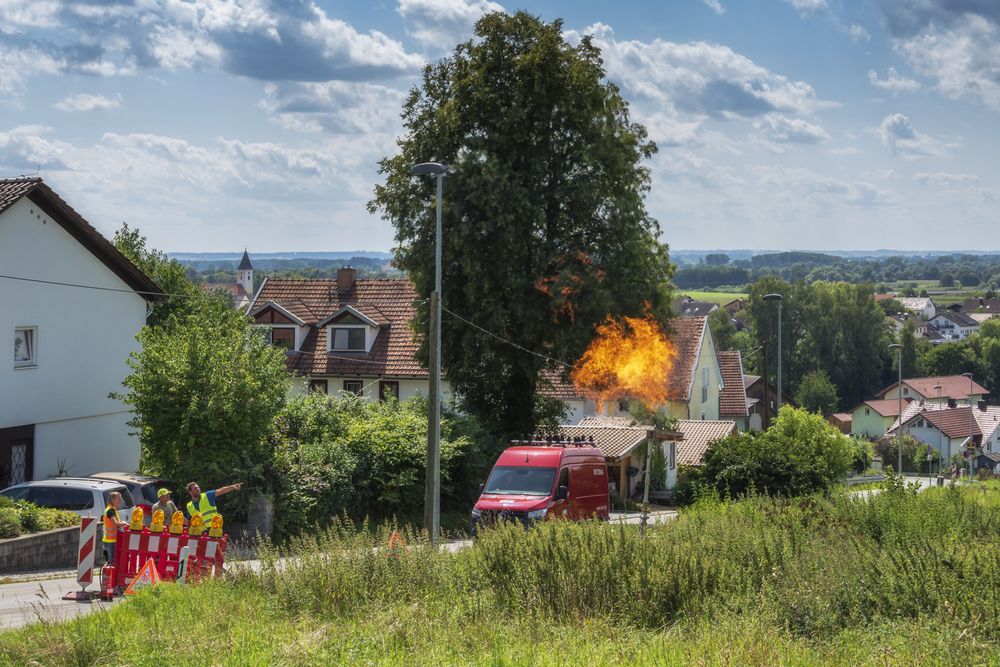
[(947, 428), (72, 306), (955, 326), (345, 335), (921, 306)]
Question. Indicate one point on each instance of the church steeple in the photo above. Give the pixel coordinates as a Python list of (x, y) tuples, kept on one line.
[(244, 274)]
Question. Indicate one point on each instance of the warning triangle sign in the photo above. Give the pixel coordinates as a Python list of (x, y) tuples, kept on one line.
[(144, 578)]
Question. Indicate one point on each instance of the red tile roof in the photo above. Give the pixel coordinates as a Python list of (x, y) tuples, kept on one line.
[(698, 435), (45, 198), (733, 398), (393, 353), (953, 422), (952, 386), (887, 407), (613, 441), (686, 334)]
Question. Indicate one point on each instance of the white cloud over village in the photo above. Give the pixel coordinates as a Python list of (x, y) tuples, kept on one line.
[(742, 131)]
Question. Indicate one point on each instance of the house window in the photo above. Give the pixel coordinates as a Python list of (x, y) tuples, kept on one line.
[(673, 455), (906, 391), (283, 337), (25, 354), (344, 338), (355, 387), (704, 385), (388, 389), (868, 411), (317, 386)]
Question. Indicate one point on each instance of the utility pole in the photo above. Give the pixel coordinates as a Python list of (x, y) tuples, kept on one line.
[(899, 407), (432, 482), (644, 517), (777, 400)]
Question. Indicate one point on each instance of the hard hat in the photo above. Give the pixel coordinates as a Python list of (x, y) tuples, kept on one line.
[(162, 492)]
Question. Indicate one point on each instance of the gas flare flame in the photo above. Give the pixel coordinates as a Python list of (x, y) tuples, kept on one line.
[(628, 359)]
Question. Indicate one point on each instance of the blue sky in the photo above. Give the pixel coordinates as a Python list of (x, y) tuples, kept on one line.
[(790, 124)]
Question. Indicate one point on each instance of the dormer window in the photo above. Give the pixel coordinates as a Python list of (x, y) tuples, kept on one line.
[(350, 330), (283, 337), (350, 339)]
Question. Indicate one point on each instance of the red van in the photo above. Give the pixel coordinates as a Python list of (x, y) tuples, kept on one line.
[(535, 480)]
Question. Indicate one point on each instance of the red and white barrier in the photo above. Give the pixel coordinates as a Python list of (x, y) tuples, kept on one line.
[(85, 559), (207, 554)]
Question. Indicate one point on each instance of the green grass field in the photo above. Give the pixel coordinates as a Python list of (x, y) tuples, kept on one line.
[(713, 297), (895, 579)]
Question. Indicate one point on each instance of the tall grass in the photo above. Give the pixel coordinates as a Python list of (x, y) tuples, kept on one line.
[(896, 578)]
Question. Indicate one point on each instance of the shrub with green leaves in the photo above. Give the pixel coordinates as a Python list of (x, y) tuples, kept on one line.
[(10, 523), (799, 454), (342, 455)]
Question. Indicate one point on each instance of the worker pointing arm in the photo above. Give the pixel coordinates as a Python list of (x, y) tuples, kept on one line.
[(204, 503)]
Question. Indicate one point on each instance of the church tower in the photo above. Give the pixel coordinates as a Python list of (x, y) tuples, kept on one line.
[(244, 274)]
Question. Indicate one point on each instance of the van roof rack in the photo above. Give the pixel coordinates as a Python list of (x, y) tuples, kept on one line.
[(559, 440)]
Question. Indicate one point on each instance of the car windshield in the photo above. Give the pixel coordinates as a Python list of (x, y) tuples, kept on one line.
[(520, 481), (149, 493), (126, 497)]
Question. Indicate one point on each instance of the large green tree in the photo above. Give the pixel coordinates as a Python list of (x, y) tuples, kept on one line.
[(545, 226), (816, 393), (169, 274)]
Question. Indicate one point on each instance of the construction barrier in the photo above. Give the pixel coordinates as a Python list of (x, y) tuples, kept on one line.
[(135, 547), (85, 560)]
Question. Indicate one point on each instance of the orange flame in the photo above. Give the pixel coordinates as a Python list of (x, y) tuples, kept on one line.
[(626, 360)]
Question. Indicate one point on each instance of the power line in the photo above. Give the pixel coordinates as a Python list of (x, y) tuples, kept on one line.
[(104, 289), (506, 340)]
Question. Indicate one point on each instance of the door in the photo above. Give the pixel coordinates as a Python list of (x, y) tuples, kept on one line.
[(17, 455), (561, 509)]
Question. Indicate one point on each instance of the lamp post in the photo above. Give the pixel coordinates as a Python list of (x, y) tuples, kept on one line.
[(940, 452), (899, 407), (972, 442), (432, 482), (776, 297)]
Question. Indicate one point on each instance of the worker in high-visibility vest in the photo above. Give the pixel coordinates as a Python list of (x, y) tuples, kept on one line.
[(111, 523), (204, 503)]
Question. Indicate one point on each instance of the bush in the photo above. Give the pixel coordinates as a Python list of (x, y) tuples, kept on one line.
[(914, 454), (35, 519), (800, 454), (10, 523), (344, 456)]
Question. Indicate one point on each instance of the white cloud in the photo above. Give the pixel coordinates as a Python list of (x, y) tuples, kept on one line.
[(845, 150), (28, 147), (698, 77), (797, 182), (785, 130), (943, 179), (715, 6), (17, 66), (335, 106), (808, 6), (87, 102), (857, 33), (29, 13), (899, 136), (440, 24), (954, 43), (894, 82), (261, 39)]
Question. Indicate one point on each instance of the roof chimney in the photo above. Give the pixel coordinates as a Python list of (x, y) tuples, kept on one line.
[(982, 406), (952, 403), (346, 276)]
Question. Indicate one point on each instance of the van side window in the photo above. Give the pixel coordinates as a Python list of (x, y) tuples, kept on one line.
[(564, 478)]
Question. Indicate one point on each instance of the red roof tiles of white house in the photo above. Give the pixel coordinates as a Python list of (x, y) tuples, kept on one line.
[(733, 398), (393, 353), (951, 386), (698, 435)]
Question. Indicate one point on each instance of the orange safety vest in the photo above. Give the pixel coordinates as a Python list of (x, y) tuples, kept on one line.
[(110, 525)]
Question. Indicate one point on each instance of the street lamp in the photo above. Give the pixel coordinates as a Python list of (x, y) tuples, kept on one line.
[(940, 452), (972, 442), (432, 482), (776, 297), (899, 407)]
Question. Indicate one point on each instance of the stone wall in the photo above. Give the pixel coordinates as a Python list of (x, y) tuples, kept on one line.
[(39, 551)]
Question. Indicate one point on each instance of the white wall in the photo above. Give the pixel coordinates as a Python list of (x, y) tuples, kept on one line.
[(84, 338), (89, 445)]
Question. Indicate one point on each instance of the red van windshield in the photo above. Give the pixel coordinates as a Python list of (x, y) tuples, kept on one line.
[(520, 481)]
